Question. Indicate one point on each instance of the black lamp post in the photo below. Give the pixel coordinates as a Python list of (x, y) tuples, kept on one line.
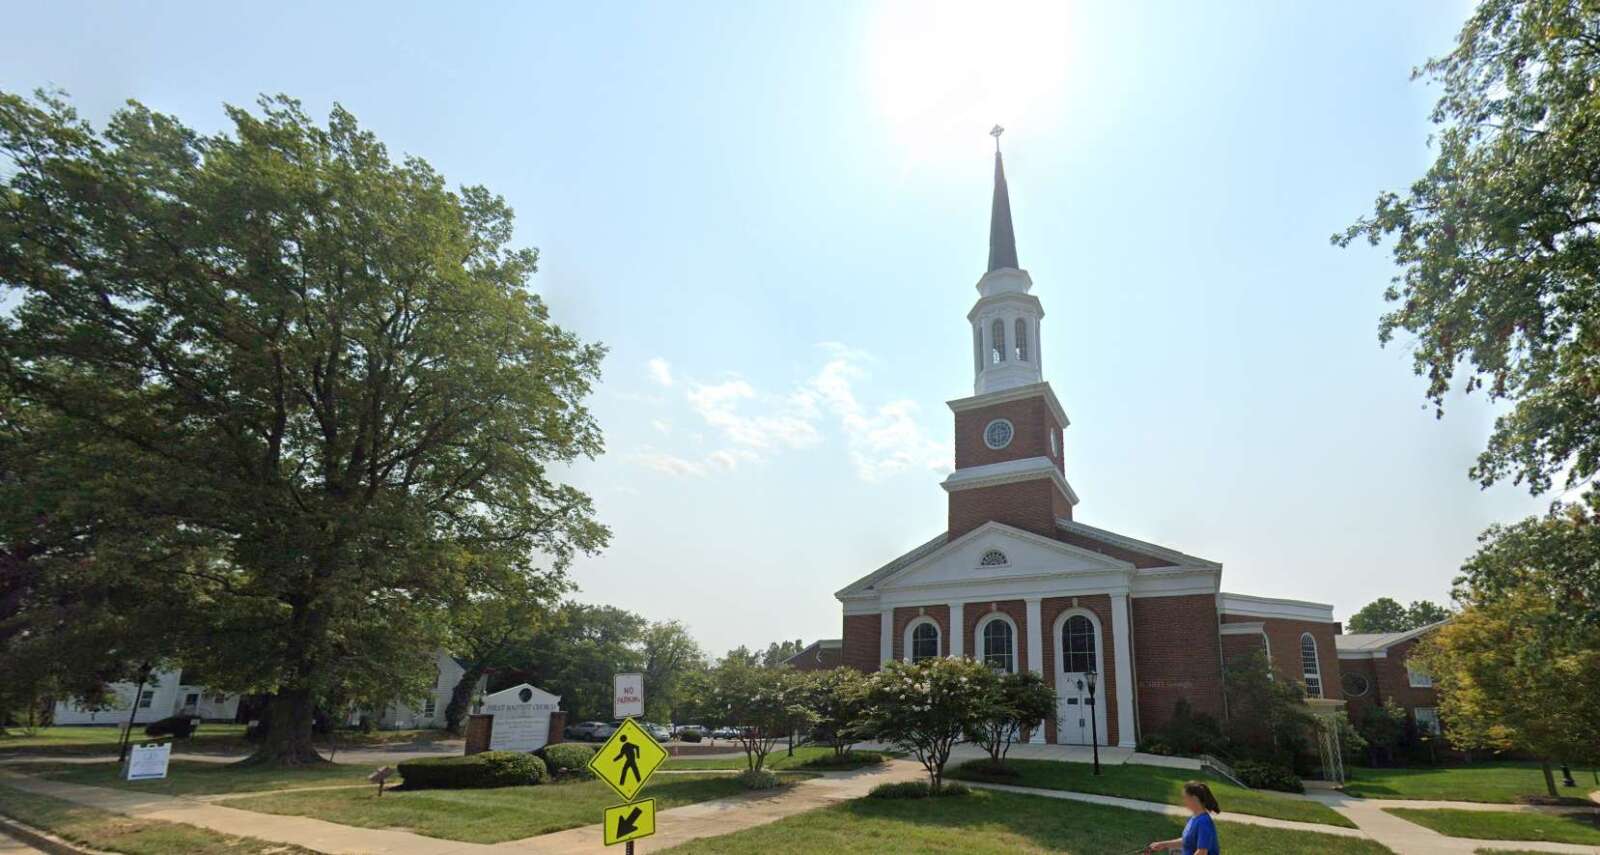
[(138, 695), (1094, 721)]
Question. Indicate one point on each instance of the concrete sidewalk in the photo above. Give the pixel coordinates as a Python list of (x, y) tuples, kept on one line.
[(1409, 838)]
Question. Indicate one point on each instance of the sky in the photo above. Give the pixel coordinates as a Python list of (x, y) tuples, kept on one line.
[(774, 216)]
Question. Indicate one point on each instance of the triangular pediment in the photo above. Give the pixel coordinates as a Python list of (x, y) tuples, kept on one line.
[(976, 556)]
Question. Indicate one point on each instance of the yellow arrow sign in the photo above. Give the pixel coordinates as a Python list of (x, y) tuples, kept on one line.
[(630, 822), (628, 759)]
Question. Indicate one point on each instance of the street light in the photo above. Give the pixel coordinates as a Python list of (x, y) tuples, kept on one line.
[(138, 694), (1094, 722)]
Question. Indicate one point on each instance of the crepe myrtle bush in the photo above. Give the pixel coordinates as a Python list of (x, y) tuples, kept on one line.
[(927, 707)]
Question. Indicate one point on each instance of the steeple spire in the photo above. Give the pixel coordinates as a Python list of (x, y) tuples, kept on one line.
[(1002, 240)]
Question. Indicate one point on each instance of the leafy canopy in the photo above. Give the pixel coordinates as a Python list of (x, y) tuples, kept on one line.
[(1386, 615), (1499, 242)]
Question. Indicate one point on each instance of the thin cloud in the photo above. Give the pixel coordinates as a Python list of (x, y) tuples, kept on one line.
[(660, 371)]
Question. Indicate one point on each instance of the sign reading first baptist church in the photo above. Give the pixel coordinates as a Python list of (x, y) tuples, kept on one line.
[(521, 717)]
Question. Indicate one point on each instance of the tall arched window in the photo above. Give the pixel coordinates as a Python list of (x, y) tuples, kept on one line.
[(1310, 670), (999, 645), (997, 347), (924, 641), (1022, 340), (1077, 645)]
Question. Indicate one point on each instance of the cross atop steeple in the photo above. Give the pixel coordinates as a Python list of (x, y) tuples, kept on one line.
[(995, 132)]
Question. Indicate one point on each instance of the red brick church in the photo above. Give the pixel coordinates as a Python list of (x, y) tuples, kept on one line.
[(1017, 580)]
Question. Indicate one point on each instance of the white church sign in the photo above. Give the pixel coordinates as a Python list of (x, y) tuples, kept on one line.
[(521, 717), (149, 762)]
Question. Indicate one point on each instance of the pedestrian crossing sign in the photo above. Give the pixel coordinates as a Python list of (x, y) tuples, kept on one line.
[(628, 759)]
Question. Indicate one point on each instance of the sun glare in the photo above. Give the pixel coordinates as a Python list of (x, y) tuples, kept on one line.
[(943, 73)]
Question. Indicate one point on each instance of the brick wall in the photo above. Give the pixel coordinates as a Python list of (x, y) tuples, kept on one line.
[(1178, 655), (904, 615), (1236, 646), (1028, 505), (1017, 610), (1031, 422), (1106, 693), (861, 650), (1356, 705), (1389, 679), (1283, 638)]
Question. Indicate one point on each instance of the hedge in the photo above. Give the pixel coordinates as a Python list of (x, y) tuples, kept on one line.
[(1265, 776), (565, 758), (489, 769)]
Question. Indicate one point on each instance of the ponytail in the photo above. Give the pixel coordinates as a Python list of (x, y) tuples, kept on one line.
[(1202, 794)]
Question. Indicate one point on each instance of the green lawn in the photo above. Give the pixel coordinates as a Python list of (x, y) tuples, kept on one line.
[(1506, 825), (112, 832), (1498, 782), (194, 777), (1153, 784), (779, 759), (993, 823), (485, 816), (106, 740)]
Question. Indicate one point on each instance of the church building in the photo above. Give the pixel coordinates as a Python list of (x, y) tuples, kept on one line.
[(1016, 579)]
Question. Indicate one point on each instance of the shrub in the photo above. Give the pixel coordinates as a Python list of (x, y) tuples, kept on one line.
[(690, 736), (1018, 703), (928, 707), (489, 769), (178, 726), (917, 790), (988, 770), (1265, 776), (847, 760), (1187, 733), (566, 758), (759, 779)]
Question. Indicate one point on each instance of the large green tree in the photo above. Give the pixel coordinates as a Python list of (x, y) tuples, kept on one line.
[(1385, 614), (1499, 242), (321, 364), (671, 655)]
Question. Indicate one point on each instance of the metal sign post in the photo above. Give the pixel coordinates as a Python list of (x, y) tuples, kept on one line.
[(625, 762)]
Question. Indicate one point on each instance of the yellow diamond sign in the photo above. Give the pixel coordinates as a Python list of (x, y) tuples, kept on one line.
[(628, 759), (630, 822)]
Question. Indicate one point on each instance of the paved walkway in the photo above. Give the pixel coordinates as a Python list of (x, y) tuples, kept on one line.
[(1409, 838)]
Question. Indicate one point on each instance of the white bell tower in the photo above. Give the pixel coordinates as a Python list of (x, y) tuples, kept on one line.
[(1005, 320)]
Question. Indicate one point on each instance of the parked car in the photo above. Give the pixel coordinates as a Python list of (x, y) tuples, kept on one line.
[(725, 733), (657, 732), (592, 731), (697, 728)]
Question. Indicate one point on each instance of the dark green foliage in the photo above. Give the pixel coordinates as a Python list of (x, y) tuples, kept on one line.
[(488, 769), (1266, 776), (1384, 728), (1187, 734), (1268, 720), (564, 758), (918, 790), (1017, 701), (759, 779), (179, 726), (690, 736), (1386, 615), (847, 760)]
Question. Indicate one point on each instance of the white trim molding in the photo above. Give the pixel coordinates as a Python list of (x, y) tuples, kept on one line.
[(886, 637), (1018, 393), (980, 650), (1269, 607), (957, 635), (911, 627), (1009, 472), (1124, 646)]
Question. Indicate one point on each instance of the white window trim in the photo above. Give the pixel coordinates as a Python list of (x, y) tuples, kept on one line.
[(991, 446), (1416, 715), (905, 642), (1316, 663), (983, 650), (1418, 679)]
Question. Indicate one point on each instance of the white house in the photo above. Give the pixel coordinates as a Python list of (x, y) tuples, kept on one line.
[(429, 712), (165, 694)]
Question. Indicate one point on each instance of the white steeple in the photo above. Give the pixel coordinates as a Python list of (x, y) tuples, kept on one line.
[(1005, 320)]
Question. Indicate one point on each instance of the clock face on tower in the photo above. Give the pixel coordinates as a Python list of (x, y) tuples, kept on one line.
[(998, 434)]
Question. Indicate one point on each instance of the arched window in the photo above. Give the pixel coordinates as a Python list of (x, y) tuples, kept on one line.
[(1077, 645), (977, 347), (999, 645), (924, 641), (992, 558), (1310, 670), (1022, 340), (997, 347)]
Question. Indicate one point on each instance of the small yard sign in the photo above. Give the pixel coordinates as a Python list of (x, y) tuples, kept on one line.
[(627, 696), (149, 762), (628, 759), (629, 822)]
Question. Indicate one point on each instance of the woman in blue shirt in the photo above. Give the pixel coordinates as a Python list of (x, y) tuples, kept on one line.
[(1200, 835)]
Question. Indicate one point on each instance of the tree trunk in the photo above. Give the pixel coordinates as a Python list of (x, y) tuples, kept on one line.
[(1549, 779), (455, 712), (287, 742)]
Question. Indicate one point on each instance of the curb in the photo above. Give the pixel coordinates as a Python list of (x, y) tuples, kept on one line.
[(41, 840)]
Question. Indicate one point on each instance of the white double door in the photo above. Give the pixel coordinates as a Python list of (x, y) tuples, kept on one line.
[(1074, 710)]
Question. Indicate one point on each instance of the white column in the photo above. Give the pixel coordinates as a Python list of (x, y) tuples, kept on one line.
[(1035, 651), (958, 641), (1120, 641), (886, 637)]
